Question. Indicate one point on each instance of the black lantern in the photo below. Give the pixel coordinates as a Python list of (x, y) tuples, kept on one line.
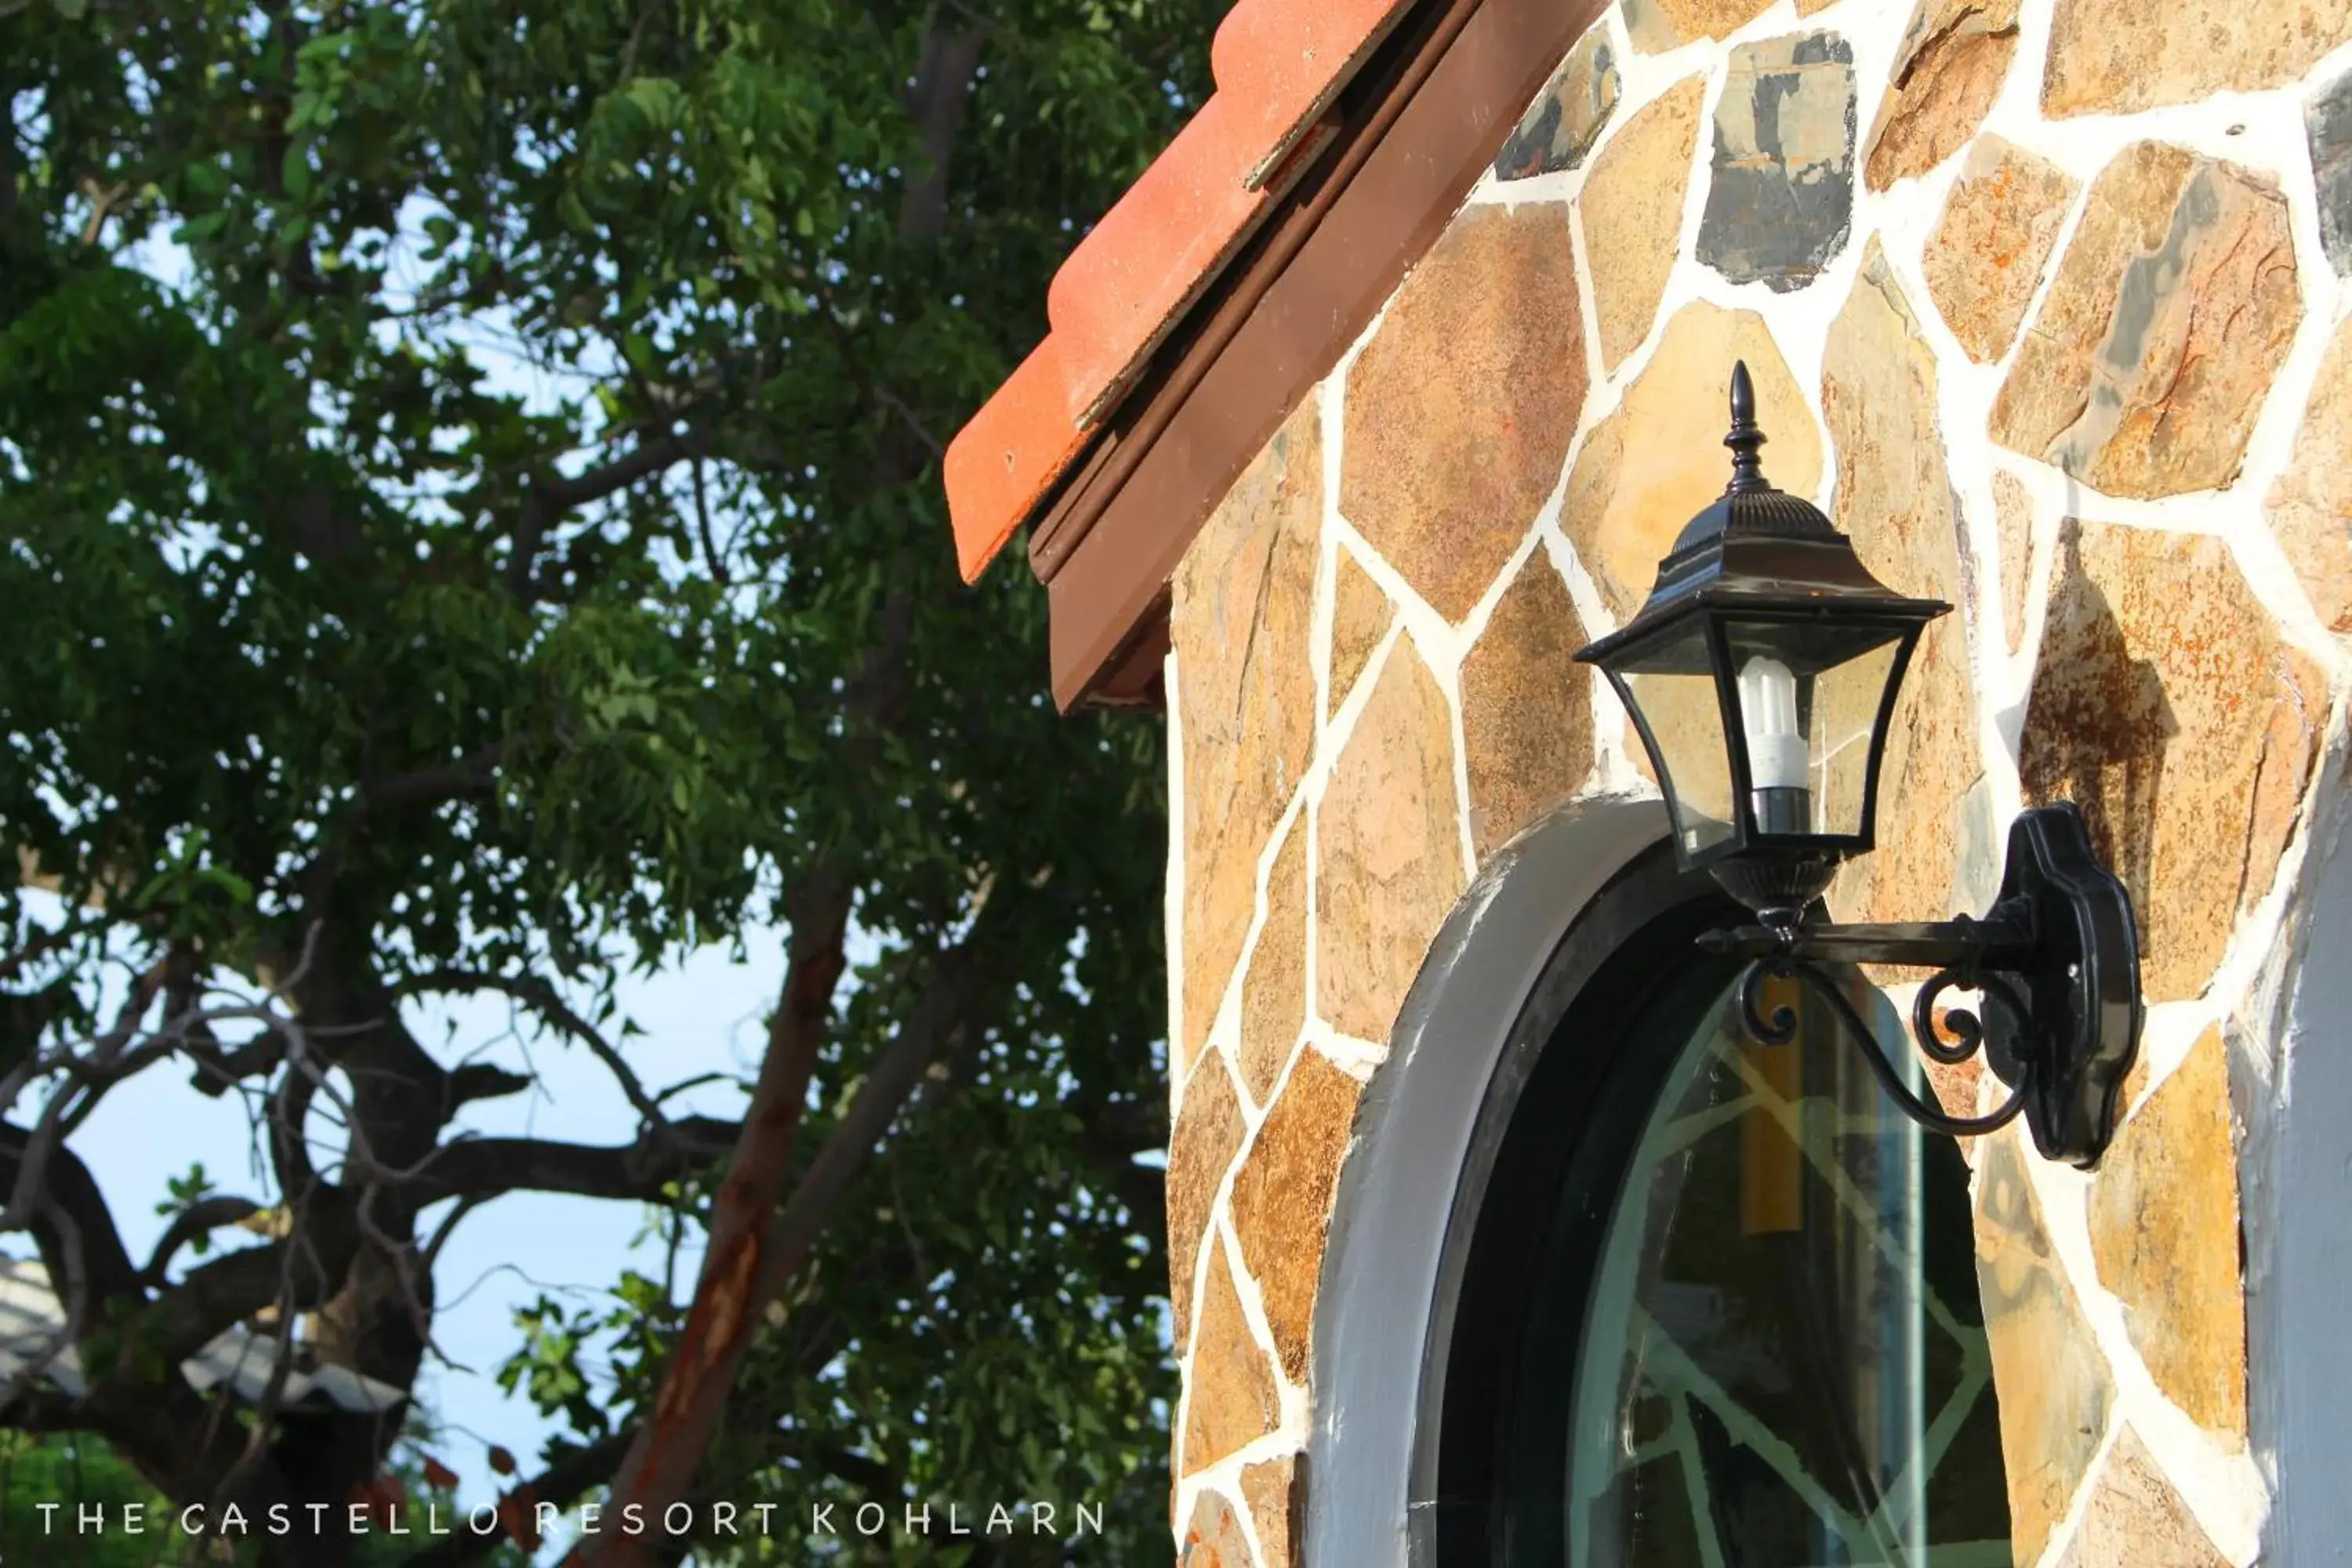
[(1761, 675)]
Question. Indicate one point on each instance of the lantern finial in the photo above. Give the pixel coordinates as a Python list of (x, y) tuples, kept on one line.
[(1747, 468)]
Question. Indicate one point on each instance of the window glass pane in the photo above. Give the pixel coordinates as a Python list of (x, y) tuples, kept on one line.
[(1845, 701), (1808, 699), (1784, 1361), (1673, 689)]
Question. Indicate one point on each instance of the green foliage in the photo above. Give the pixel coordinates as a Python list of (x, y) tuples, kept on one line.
[(460, 467)]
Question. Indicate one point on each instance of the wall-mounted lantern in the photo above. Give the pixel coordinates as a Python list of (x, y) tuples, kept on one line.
[(1761, 675)]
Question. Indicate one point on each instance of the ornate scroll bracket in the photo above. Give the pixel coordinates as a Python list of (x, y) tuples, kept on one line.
[(2056, 960)]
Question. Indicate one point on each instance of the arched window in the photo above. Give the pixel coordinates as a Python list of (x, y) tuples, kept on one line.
[(1701, 1302)]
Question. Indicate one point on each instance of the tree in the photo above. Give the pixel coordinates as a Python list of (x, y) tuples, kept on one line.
[(338, 674), (47, 1484)]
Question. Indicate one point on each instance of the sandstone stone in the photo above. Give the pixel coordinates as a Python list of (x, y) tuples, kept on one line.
[(1781, 201), (1654, 461), (2167, 707), (1632, 211), (1984, 261), (1811, 7), (1389, 841), (1948, 69), (2133, 1516), (1271, 1490), (2172, 309), (2012, 513), (1213, 1538), (2050, 1379), (1360, 615), (2311, 504), (2327, 122), (2164, 1229), (1241, 623), (1527, 708), (1895, 498), (1568, 116), (1656, 25), (1461, 408), (1274, 986), (1201, 1150), (1282, 1199), (2117, 56), (1229, 1387)]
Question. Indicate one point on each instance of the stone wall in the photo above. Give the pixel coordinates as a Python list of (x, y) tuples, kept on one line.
[(2045, 303)]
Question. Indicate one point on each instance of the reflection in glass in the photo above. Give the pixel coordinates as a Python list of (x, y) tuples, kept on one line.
[(1784, 1363), (1671, 689), (1809, 701)]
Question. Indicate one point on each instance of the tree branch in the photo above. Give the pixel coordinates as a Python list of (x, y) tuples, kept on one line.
[(71, 1191), (299, 1271), (542, 999), (199, 1218), (476, 1168), (470, 775), (548, 498), (754, 1268), (942, 76), (942, 1012), (560, 1484)]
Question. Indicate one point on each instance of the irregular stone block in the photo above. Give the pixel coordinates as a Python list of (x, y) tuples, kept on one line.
[(2327, 122), (1282, 1199), (1201, 1150), (1360, 615), (1895, 498), (2311, 504), (1390, 848), (1781, 201), (2165, 706), (1984, 261), (1270, 1490), (1527, 708), (1656, 25), (1461, 408), (2117, 56), (1568, 116), (1213, 1538), (1274, 986), (1654, 461), (1229, 1387), (2164, 1229), (1631, 213), (2173, 308), (1947, 70), (2050, 1379), (1241, 623), (2136, 1517)]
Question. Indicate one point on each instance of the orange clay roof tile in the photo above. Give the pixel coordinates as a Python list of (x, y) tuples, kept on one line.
[(1277, 65)]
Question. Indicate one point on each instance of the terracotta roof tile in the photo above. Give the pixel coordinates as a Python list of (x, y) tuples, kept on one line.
[(1278, 64)]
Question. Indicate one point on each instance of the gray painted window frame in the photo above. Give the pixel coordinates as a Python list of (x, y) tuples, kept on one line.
[(1380, 1293)]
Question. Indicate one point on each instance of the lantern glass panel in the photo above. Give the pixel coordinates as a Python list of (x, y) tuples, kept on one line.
[(1671, 687), (1810, 695)]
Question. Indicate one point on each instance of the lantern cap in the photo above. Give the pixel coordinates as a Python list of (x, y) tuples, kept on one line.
[(1759, 548)]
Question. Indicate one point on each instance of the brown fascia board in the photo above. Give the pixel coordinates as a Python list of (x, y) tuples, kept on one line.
[(1391, 163)]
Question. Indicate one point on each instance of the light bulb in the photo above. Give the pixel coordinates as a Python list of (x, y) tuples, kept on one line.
[(1776, 747)]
